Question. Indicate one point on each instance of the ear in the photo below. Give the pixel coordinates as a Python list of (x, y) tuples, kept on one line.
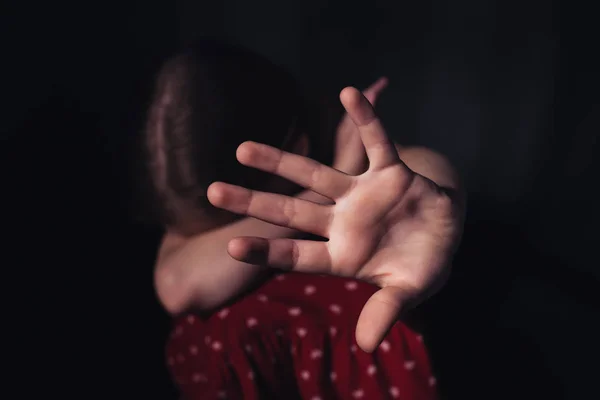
[(302, 145)]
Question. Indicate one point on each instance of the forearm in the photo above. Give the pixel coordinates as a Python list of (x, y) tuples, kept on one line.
[(199, 274)]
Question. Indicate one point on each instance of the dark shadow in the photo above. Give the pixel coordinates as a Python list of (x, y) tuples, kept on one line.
[(485, 327)]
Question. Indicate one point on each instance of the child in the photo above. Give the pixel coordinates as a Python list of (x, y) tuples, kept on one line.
[(243, 331)]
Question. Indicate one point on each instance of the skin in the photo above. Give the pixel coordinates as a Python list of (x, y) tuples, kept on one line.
[(185, 277), (394, 224)]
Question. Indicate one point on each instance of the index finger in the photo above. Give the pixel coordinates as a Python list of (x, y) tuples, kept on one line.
[(379, 147)]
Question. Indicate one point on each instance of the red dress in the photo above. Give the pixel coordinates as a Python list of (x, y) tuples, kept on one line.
[(293, 338)]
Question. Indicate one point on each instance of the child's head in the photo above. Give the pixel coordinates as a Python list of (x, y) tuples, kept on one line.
[(208, 100)]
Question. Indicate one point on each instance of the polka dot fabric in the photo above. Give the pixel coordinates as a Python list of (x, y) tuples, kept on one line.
[(293, 338)]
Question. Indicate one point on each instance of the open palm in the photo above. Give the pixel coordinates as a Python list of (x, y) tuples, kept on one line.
[(388, 226)]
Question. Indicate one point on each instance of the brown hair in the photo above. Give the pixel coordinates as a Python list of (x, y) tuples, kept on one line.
[(209, 99)]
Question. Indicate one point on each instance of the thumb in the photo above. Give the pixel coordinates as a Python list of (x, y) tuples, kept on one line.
[(380, 313), (373, 91)]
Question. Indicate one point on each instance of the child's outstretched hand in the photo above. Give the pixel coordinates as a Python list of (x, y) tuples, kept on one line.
[(389, 226)]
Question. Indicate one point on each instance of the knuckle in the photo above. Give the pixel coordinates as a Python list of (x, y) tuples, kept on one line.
[(274, 160), (294, 254), (248, 201), (288, 210), (316, 171)]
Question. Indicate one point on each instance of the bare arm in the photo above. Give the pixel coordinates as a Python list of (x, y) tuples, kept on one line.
[(198, 273)]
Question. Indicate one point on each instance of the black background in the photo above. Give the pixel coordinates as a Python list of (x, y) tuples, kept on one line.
[(508, 90)]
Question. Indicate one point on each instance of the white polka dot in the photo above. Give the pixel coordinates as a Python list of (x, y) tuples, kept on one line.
[(251, 375), (295, 311), (432, 381), (216, 345), (394, 392), (316, 353), (178, 331), (353, 348), (333, 376), (385, 346), (222, 395), (315, 398), (193, 350), (251, 322), (301, 332), (371, 370), (248, 348), (262, 298), (280, 277), (180, 358), (409, 365), (191, 319), (207, 340), (420, 338), (351, 285), (334, 308), (310, 289), (333, 331), (223, 313), (305, 375), (358, 394), (196, 378)]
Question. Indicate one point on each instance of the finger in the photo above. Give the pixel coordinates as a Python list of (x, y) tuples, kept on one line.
[(379, 314), (373, 91), (300, 255), (379, 147), (274, 208), (305, 172)]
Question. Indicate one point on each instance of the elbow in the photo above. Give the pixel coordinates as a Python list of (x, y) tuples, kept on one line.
[(173, 297), (179, 295), (172, 304)]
